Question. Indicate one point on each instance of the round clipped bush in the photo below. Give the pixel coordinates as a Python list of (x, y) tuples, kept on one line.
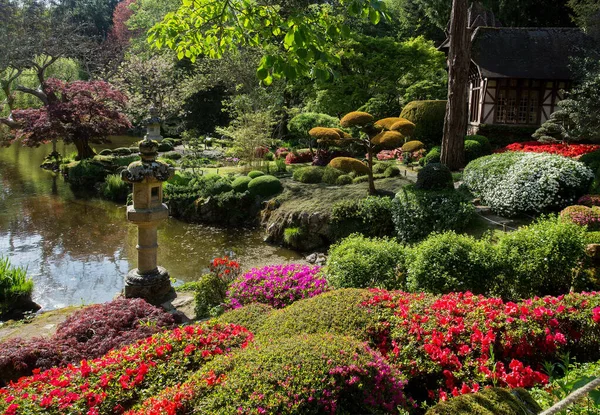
[(513, 182), (310, 174), (330, 175), (434, 176), (413, 146), (306, 374), (343, 180), (448, 262), (240, 184), (255, 173), (417, 213), (474, 150), (428, 116), (404, 127), (265, 186), (493, 401), (172, 155), (164, 146), (122, 151), (434, 156), (359, 262), (106, 152), (391, 171), (251, 316), (381, 167), (583, 215), (349, 164), (356, 118), (485, 143), (335, 312), (276, 285)]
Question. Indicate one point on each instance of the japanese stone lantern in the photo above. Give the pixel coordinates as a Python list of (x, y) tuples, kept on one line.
[(153, 126), (148, 281)]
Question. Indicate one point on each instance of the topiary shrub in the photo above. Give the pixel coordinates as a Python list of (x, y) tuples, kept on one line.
[(348, 164), (309, 374), (540, 259), (416, 213), (583, 216), (485, 143), (364, 179), (493, 401), (448, 262), (217, 186), (428, 116), (265, 186), (413, 146), (255, 173), (172, 155), (359, 262), (164, 146), (589, 200), (434, 156), (330, 175), (251, 316), (434, 176), (503, 135), (86, 334), (106, 152), (122, 151), (379, 168), (310, 174), (392, 171), (276, 285), (240, 184), (334, 312), (343, 180), (474, 150), (269, 156), (371, 216), (512, 183), (301, 124)]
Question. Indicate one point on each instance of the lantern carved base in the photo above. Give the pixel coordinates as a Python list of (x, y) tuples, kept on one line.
[(155, 288)]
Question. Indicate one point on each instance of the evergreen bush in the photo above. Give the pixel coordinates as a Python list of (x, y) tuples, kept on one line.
[(371, 216), (251, 316), (255, 173), (310, 174), (348, 164), (265, 186), (493, 401), (165, 146), (240, 184), (330, 175), (392, 171), (428, 116), (434, 176), (343, 180), (433, 156)]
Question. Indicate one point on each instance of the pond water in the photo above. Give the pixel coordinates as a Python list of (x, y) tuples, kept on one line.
[(78, 250)]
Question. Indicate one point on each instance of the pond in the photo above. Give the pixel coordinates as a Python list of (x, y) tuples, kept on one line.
[(78, 250)]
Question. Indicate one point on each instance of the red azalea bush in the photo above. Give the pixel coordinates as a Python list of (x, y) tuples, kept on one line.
[(281, 152), (582, 215), (589, 200), (122, 378), (225, 268), (298, 157), (86, 334), (457, 342), (567, 150)]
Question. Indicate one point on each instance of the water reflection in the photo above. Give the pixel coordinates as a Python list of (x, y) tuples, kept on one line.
[(78, 250)]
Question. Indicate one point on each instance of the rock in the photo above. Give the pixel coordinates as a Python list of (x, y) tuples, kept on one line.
[(312, 258)]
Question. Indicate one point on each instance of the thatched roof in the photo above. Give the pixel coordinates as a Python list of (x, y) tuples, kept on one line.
[(530, 53)]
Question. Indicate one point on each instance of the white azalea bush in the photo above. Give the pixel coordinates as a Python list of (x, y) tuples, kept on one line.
[(512, 183)]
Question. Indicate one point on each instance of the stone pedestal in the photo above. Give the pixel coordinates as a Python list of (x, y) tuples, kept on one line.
[(154, 287)]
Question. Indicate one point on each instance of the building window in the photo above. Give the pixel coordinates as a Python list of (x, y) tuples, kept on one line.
[(517, 102)]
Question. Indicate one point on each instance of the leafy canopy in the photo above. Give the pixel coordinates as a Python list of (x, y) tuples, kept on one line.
[(297, 40)]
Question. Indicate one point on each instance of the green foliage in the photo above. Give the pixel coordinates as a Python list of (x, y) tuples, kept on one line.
[(433, 156), (392, 171), (310, 174), (371, 216), (106, 152), (334, 312), (301, 124), (122, 151), (114, 188), (448, 262), (14, 285), (474, 150), (85, 174), (265, 186), (380, 167), (428, 116), (209, 293), (417, 213), (540, 259), (581, 109), (251, 316), (240, 184), (294, 236), (255, 173), (348, 165), (493, 401), (343, 180), (502, 135), (365, 178), (331, 175), (592, 160), (172, 155), (434, 176), (164, 146), (359, 262), (556, 128)]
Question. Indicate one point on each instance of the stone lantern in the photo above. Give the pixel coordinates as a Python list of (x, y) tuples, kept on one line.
[(148, 281), (153, 126)]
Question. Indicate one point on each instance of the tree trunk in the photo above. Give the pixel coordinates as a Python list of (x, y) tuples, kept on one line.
[(372, 190), (459, 60), (84, 151)]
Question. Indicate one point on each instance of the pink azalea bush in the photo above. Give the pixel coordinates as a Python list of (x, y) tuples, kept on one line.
[(589, 200), (276, 285), (583, 216)]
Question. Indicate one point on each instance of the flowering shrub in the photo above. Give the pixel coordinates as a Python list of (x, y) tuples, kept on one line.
[(322, 374), (512, 183), (567, 150), (122, 378), (395, 154), (583, 215), (298, 157), (455, 343), (589, 200), (86, 334), (251, 316), (276, 285), (225, 268), (281, 152), (492, 401), (402, 156), (323, 157)]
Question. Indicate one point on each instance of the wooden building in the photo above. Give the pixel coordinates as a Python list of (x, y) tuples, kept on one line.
[(518, 75)]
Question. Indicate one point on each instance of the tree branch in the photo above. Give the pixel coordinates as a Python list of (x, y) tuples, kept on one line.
[(36, 93), (8, 121)]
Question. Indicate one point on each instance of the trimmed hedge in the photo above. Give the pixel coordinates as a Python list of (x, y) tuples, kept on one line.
[(434, 176), (349, 164), (330, 175), (371, 216), (434, 156), (265, 186), (428, 116), (240, 184), (310, 174), (255, 173), (503, 135), (251, 316), (344, 180), (493, 401)]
